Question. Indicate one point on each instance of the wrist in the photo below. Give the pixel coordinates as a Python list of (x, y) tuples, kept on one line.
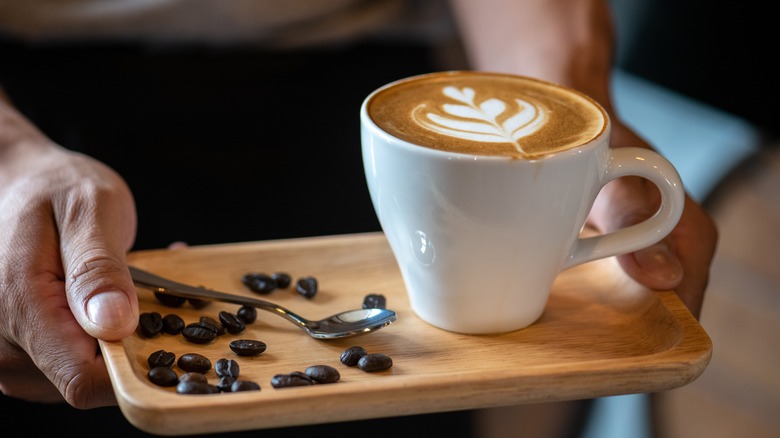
[(18, 136)]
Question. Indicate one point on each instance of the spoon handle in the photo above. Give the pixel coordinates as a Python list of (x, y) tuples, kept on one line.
[(171, 287)]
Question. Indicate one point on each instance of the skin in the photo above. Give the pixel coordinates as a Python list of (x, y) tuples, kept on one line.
[(68, 221)]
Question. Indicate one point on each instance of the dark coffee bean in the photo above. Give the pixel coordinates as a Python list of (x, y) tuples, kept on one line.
[(225, 383), (163, 376), (296, 378), (374, 301), (375, 362), (247, 347), (244, 385), (169, 300), (323, 373), (226, 367), (352, 355), (282, 279), (232, 323), (150, 324), (194, 363), (161, 358), (306, 286), (199, 333), (248, 314), (259, 283), (198, 377), (213, 323), (194, 387), (172, 324), (198, 303)]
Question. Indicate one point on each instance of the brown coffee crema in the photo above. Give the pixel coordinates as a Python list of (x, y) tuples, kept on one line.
[(486, 114)]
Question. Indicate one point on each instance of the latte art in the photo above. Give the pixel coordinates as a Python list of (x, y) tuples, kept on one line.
[(486, 114), (470, 121)]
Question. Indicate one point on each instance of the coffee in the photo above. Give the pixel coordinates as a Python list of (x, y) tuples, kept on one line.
[(479, 232), (486, 114)]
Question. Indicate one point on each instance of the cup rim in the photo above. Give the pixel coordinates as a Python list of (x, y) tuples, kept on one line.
[(367, 121)]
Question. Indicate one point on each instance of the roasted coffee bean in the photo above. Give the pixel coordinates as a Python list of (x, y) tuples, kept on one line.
[(323, 373), (173, 324), (194, 387), (306, 286), (225, 382), (248, 314), (161, 358), (194, 363), (169, 300), (198, 377), (282, 279), (198, 303), (232, 323), (150, 324), (247, 347), (199, 333), (259, 283), (213, 323), (374, 301), (163, 376), (296, 378), (226, 367), (375, 362), (244, 385), (352, 355)]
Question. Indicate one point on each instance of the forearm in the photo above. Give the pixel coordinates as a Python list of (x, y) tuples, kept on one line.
[(569, 42)]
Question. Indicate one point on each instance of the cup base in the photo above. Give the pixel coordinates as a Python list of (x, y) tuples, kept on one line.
[(474, 328)]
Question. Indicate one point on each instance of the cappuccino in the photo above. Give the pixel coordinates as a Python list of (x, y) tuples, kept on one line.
[(481, 227), (486, 114)]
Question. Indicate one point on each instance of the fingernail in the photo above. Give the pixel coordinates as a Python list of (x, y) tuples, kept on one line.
[(110, 310), (660, 262)]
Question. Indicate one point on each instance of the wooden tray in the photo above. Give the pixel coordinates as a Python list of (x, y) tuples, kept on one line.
[(600, 335)]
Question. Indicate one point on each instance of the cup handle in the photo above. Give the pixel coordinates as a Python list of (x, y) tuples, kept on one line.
[(647, 164)]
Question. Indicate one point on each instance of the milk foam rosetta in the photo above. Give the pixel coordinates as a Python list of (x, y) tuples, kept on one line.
[(486, 114)]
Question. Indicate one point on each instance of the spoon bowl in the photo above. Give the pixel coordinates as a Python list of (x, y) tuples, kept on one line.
[(341, 325)]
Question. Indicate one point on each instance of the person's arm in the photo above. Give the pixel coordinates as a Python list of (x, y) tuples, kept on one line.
[(67, 223), (571, 42)]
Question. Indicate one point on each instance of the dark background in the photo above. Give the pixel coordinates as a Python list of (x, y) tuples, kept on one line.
[(241, 145), (723, 53)]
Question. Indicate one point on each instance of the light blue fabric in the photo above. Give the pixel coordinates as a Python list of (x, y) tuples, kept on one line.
[(702, 142), (621, 416)]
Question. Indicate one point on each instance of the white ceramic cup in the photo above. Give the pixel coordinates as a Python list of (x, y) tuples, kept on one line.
[(480, 239)]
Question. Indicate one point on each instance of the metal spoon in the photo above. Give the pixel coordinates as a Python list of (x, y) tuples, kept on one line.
[(340, 325)]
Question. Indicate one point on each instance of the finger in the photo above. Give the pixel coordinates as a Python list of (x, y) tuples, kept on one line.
[(178, 245), (695, 241), (657, 266), (680, 261), (97, 230), (22, 379), (628, 201), (66, 354)]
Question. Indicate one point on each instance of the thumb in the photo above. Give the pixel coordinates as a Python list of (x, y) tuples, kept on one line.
[(100, 292), (101, 295)]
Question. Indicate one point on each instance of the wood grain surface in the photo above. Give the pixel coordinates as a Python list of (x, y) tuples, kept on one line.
[(601, 335)]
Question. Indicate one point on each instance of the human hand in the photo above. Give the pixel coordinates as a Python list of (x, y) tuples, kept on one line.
[(681, 261), (67, 223)]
